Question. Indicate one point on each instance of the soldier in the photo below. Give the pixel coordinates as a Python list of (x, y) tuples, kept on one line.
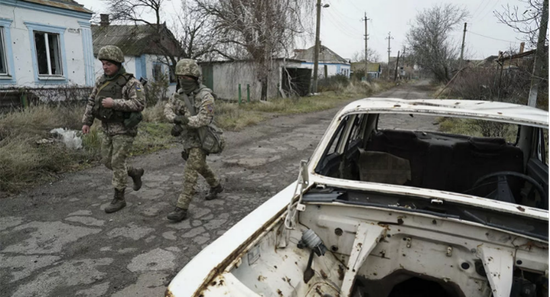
[(117, 100), (176, 110)]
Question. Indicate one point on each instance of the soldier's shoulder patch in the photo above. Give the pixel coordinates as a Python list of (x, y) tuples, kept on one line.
[(138, 88), (209, 107)]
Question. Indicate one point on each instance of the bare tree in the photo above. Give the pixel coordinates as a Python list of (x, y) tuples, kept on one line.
[(533, 23), (189, 37), (372, 56), (526, 22), (259, 30), (428, 39)]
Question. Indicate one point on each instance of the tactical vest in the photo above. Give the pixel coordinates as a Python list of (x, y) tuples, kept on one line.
[(113, 89), (210, 137)]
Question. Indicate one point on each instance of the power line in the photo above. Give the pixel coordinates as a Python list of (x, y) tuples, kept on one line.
[(333, 20), (343, 22), (353, 4), (490, 10), (492, 37), (475, 11), (483, 9)]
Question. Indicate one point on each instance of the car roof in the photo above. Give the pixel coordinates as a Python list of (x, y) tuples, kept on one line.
[(475, 109)]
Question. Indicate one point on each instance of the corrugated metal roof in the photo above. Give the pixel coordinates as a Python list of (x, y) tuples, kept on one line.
[(65, 4)]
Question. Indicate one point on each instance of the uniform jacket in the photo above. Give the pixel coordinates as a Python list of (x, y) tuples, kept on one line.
[(203, 101), (133, 100)]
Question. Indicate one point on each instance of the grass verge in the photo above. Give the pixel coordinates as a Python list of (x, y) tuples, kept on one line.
[(30, 155)]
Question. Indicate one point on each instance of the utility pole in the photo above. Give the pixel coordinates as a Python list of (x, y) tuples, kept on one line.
[(462, 48), (396, 67), (316, 54), (389, 51), (366, 49), (538, 68)]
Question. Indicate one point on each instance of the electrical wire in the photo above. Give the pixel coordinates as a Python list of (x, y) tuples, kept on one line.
[(340, 27), (509, 41), (476, 10), (343, 24), (490, 10)]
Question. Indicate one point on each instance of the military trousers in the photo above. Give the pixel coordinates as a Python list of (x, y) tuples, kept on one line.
[(114, 151), (196, 164)]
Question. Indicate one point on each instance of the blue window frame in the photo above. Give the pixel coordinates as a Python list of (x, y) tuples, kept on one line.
[(48, 53), (7, 69)]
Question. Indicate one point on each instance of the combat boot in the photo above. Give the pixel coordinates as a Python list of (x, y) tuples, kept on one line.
[(213, 194), (178, 215), (118, 202), (136, 174)]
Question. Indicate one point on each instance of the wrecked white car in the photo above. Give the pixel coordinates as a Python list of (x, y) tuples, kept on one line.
[(390, 204)]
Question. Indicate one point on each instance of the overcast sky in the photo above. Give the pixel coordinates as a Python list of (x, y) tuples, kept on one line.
[(342, 27)]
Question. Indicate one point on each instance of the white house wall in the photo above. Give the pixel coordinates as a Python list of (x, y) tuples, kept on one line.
[(20, 19), (332, 69)]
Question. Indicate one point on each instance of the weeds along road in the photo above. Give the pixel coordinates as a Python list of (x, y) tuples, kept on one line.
[(56, 240)]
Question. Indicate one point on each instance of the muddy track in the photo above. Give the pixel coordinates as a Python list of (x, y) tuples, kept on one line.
[(56, 240)]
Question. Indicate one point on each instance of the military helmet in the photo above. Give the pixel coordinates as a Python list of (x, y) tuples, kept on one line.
[(111, 53), (188, 67)]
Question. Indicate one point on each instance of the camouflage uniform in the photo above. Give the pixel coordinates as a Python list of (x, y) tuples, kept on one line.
[(203, 101), (116, 139)]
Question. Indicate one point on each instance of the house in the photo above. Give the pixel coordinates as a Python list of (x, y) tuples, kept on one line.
[(330, 63), (144, 47), (231, 79), (45, 44), (519, 60), (375, 69)]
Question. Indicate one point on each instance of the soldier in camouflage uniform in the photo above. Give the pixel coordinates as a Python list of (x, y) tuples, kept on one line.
[(116, 100), (185, 125)]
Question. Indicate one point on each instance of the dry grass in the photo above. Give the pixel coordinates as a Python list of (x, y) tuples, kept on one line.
[(321, 101), (479, 128), (24, 163)]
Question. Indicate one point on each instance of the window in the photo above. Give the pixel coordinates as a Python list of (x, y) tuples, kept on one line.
[(3, 54), (48, 54), (49, 60)]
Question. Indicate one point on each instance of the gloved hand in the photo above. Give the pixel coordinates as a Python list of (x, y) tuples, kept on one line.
[(176, 130), (181, 120)]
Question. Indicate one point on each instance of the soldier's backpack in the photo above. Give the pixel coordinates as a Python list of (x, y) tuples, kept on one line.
[(211, 136)]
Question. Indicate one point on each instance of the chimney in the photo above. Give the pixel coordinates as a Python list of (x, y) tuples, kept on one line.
[(104, 20), (521, 47)]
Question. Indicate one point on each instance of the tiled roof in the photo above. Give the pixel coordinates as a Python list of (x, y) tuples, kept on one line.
[(65, 4)]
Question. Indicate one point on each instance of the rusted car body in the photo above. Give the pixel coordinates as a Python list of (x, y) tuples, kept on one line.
[(457, 207)]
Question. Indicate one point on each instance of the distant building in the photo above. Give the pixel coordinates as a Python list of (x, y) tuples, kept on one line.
[(375, 69), (330, 63), (286, 78)]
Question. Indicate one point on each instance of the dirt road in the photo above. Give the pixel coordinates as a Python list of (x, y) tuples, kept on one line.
[(56, 240)]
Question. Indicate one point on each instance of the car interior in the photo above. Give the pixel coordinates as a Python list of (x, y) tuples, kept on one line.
[(513, 170)]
